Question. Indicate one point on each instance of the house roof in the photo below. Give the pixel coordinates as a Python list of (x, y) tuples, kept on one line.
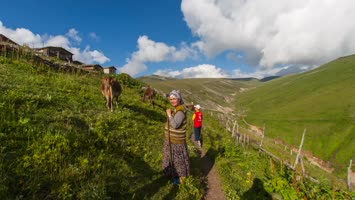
[(52, 47), (77, 62), (93, 65), (9, 40), (111, 67)]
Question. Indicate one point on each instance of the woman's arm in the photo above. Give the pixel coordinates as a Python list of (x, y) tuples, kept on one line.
[(176, 121)]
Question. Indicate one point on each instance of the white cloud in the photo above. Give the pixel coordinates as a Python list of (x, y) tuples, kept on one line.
[(93, 36), (294, 32), (211, 71), (200, 71), (57, 41), (151, 51), (73, 34), (275, 71), (89, 56), (67, 41), (22, 36)]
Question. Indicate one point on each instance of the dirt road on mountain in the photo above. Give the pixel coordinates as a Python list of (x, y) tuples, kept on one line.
[(214, 187)]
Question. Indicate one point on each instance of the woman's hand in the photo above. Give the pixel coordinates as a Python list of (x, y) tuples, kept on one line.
[(168, 112)]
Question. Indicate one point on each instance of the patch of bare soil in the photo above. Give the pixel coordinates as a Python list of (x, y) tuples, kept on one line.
[(214, 188)]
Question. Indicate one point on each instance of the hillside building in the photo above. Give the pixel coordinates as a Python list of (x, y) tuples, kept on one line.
[(110, 70), (58, 52), (7, 44), (92, 68)]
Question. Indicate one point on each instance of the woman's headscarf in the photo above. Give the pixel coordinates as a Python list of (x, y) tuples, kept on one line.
[(177, 94)]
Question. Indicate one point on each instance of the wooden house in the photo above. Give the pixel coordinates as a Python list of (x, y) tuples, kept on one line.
[(75, 62), (6, 41), (92, 68), (7, 44), (110, 70), (58, 52)]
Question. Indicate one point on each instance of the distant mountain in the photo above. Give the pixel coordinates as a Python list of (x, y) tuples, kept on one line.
[(154, 78), (269, 78)]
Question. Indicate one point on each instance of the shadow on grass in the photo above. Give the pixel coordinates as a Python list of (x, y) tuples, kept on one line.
[(151, 114), (146, 183), (257, 191), (208, 160)]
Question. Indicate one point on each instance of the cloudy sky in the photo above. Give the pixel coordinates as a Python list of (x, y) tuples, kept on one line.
[(188, 38)]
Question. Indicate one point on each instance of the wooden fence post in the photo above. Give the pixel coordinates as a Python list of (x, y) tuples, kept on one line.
[(349, 174), (262, 139), (227, 121), (233, 134), (299, 150), (237, 126)]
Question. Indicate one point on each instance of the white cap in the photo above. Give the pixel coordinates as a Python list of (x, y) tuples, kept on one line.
[(198, 106)]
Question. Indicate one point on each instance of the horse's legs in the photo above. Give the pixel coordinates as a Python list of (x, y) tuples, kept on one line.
[(116, 101), (111, 103), (108, 102)]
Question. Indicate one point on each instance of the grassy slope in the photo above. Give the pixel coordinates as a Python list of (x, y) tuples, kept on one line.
[(321, 100), (59, 141), (208, 92)]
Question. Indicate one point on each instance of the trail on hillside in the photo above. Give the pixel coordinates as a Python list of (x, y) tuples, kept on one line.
[(214, 188)]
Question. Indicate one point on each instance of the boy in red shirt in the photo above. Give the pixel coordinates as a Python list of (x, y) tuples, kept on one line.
[(197, 117)]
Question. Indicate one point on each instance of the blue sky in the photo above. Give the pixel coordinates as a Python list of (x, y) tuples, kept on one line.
[(188, 38)]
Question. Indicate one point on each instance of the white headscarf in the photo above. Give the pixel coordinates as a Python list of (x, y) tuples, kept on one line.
[(176, 94)]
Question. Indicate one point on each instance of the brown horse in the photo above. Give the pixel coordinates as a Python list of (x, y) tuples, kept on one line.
[(149, 94), (111, 89)]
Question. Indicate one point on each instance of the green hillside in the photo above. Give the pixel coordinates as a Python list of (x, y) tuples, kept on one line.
[(321, 100), (212, 93), (59, 141)]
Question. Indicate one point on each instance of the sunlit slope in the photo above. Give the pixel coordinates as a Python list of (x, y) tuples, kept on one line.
[(321, 100), (212, 93), (59, 141)]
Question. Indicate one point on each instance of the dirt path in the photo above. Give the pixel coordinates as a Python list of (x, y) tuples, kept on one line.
[(214, 188)]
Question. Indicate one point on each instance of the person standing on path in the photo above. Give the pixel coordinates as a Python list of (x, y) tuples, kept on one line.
[(176, 160), (197, 118)]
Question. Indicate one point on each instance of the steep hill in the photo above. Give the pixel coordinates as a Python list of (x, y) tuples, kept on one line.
[(212, 93), (59, 141), (321, 100)]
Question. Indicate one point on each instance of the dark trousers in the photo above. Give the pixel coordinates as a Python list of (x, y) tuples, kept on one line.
[(197, 133)]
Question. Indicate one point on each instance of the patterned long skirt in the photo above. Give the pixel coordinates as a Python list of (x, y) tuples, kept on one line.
[(181, 160)]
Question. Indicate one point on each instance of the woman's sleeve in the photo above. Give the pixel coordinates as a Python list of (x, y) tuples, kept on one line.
[(177, 120)]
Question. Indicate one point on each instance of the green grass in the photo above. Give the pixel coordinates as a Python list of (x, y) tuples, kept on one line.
[(248, 174), (211, 93), (321, 100), (59, 141)]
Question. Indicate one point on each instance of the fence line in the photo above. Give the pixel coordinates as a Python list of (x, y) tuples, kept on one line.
[(244, 139)]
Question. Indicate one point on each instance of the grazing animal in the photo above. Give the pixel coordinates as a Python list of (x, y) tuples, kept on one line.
[(111, 89), (149, 94)]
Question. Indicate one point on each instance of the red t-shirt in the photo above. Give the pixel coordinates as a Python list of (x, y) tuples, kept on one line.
[(198, 117)]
